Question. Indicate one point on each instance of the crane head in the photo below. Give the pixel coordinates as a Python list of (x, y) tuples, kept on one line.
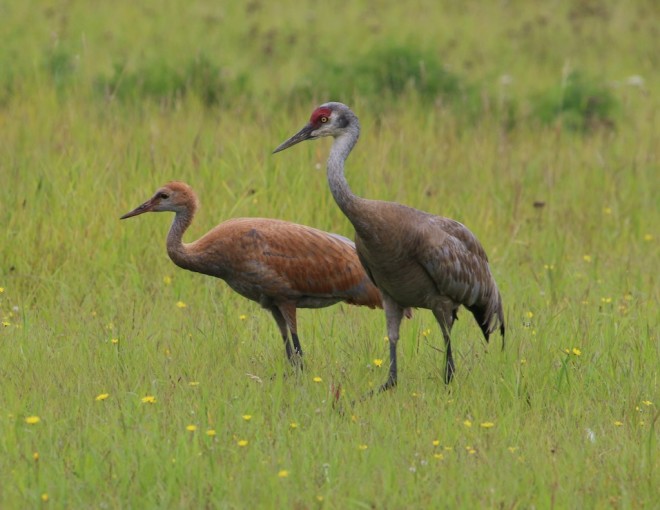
[(174, 196), (329, 119)]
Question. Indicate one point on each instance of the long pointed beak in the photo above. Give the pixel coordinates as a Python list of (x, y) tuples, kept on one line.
[(141, 209), (302, 135)]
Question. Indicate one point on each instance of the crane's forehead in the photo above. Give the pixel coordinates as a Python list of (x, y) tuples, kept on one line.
[(322, 111)]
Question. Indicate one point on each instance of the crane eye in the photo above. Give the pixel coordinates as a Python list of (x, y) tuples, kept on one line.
[(164, 196), (324, 119)]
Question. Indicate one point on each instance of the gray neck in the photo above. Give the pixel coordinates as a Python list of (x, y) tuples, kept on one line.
[(342, 146)]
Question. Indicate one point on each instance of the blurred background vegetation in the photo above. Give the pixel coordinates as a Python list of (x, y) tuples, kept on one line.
[(533, 123), (574, 64)]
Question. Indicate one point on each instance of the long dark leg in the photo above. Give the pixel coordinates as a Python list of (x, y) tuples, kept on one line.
[(288, 312), (296, 344), (281, 324), (393, 316), (445, 318)]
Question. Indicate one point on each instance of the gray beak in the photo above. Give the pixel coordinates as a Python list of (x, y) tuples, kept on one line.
[(141, 209), (302, 135)]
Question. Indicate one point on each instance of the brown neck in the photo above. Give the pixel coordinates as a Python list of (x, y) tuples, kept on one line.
[(176, 249)]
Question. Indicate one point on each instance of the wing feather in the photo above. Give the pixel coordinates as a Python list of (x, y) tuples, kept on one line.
[(282, 259)]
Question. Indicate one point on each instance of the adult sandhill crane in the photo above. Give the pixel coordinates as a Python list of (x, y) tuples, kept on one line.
[(416, 259), (280, 265)]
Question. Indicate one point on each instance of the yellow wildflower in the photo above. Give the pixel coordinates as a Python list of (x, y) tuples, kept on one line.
[(378, 362), (44, 497), (247, 417), (242, 317), (436, 442), (576, 351), (647, 403), (283, 473), (438, 456), (149, 399), (167, 280), (193, 383), (32, 420), (293, 425), (586, 258), (6, 324), (35, 456), (529, 314), (242, 442), (617, 423), (606, 300), (210, 432), (101, 396), (181, 304), (363, 447), (191, 428), (114, 340), (487, 425), (2, 289), (317, 379), (648, 237), (467, 423)]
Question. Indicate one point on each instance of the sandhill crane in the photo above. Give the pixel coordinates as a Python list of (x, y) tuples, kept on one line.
[(280, 265), (416, 259)]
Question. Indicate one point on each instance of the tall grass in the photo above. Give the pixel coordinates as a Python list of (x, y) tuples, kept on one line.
[(92, 306)]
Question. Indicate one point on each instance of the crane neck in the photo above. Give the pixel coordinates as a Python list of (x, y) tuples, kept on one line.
[(176, 249), (342, 146)]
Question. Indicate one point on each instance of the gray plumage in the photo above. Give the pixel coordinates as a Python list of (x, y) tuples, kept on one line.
[(416, 259)]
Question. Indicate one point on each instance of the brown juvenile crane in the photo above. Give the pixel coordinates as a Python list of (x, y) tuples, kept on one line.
[(280, 265), (416, 259)]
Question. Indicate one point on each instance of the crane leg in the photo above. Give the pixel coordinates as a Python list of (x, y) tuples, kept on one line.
[(446, 320), (288, 313), (393, 316), (282, 325), (296, 344)]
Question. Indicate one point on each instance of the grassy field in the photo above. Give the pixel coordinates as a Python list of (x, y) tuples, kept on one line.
[(129, 383)]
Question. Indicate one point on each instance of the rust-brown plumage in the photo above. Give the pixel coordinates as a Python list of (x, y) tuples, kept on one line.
[(280, 265), (416, 259)]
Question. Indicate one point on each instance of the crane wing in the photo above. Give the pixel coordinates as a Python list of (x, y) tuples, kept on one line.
[(455, 260), (285, 260)]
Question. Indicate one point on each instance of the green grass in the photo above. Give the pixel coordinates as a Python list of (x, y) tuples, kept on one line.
[(101, 104)]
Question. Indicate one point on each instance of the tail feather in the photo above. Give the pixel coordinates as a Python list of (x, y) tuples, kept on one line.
[(490, 316), (367, 294)]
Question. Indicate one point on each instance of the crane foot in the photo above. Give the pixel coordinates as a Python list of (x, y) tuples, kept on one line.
[(389, 384)]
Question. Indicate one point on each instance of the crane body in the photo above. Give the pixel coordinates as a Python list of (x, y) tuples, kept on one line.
[(281, 265), (416, 259)]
